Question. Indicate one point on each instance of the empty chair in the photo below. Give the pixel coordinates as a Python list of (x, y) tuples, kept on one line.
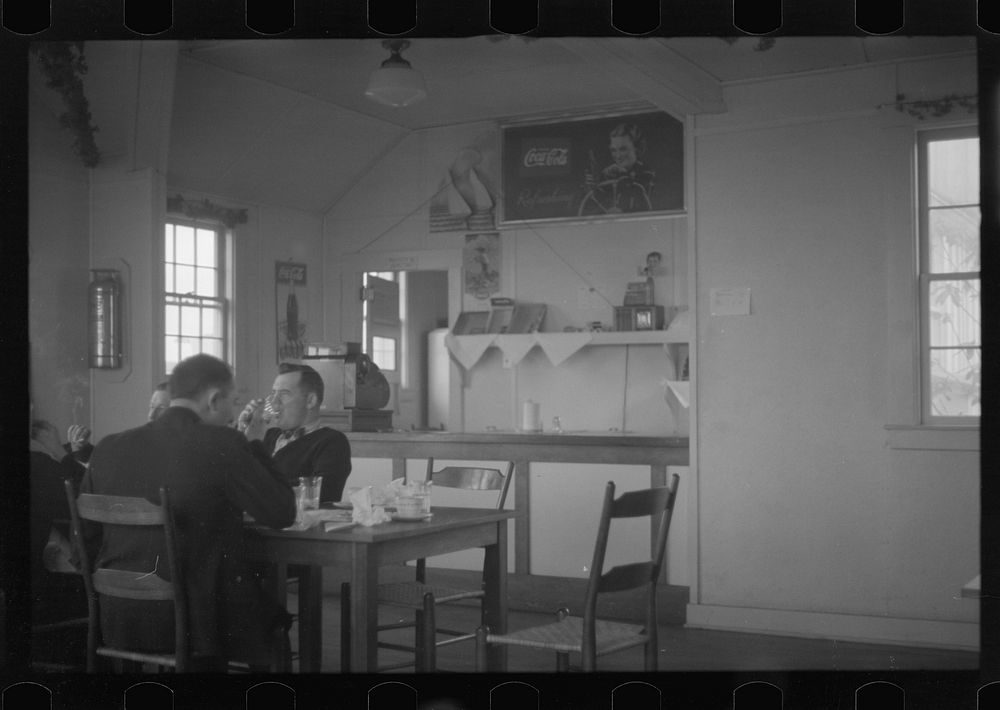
[(139, 512), (422, 597), (587, 635)]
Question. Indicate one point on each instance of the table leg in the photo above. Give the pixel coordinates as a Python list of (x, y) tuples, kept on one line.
[(495, 577), (310, 619), (364, 616)]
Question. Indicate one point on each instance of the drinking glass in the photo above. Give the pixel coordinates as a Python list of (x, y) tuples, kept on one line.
[(311, 486), (300, 502), (421, 490), (267, 411)]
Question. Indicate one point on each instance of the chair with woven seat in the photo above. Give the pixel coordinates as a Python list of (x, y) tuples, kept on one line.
[(587, 635), (423, 597), (125, 584)]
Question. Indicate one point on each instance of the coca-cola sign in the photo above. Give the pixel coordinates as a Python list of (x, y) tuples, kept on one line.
[(582, 167), (545, 157)]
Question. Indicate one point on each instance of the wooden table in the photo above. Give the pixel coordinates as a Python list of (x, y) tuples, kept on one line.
[(363, 550)]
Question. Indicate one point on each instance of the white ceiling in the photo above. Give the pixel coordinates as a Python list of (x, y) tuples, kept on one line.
[(286, 122)]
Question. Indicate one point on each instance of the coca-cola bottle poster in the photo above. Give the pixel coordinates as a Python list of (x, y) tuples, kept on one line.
[(290, 309), (593, 167)]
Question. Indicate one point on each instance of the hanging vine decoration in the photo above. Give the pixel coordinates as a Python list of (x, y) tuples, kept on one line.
[(937, 107), (204, 209), (64, 65)]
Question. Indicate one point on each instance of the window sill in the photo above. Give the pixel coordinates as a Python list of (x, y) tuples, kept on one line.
[(933, 438)]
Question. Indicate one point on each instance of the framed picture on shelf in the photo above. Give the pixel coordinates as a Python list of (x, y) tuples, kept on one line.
[(527, 318), (471, 323), (590, 167)]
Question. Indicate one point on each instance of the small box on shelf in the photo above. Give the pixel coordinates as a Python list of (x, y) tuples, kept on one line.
[(629, 318)]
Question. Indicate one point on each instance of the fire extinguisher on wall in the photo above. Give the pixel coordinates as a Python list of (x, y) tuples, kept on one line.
[(105, 319)]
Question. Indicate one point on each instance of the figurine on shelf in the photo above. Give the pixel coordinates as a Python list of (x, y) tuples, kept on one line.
[(652, 268)]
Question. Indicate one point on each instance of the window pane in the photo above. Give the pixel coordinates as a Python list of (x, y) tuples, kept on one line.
[(190, 320), (190, 346), (206, 247), (211, 323), (168, 277), (955, 381), (168, 243), (953, 239), (206, 282), (212, 346), (953, 172), (185, 279), (185, 245), (954, 312), (384, 352), (172, 322), (170, 352)]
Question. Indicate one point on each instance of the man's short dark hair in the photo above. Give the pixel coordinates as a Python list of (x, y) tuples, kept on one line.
[(193, 375), (309, 381)]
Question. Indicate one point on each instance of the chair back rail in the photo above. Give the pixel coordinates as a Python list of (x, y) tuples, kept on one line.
[(473, 478), (625, 577), (119, 510), (634, 504), (126, 584)]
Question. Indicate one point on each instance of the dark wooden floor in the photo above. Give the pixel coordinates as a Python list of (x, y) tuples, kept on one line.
[(681, 649)]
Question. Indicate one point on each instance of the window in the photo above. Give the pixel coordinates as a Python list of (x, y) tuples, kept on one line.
[(951, 346), (384, 352), (195, 317)]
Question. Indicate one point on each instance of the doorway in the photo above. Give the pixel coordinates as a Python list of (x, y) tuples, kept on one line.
[(403, 316)]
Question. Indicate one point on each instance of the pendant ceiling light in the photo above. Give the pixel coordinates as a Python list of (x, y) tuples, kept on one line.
[(396, 83)]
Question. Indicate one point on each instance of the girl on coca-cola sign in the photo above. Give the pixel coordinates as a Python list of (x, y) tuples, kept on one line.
[(624, 186)]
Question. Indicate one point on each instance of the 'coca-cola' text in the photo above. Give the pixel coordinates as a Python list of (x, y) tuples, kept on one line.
[(545, 157)]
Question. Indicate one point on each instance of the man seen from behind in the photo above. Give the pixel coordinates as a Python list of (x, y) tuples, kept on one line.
[(213, 474)]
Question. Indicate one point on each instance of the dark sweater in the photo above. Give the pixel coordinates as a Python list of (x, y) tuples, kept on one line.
[(322, 452)]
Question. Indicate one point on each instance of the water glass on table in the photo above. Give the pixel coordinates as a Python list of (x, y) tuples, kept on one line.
[(421, 490), (409, 507), (310, 487)]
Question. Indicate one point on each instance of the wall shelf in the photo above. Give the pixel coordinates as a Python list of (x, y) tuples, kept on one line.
[(642, 337), (468, 349)]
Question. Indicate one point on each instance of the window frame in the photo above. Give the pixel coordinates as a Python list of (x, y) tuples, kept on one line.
[(925, 278), (223, 269)]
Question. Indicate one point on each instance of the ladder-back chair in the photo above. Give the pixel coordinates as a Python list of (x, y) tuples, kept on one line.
[(138, 512), (422, 597), (587, 635)]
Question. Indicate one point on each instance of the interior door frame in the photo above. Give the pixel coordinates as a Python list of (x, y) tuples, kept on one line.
[(352, 267)]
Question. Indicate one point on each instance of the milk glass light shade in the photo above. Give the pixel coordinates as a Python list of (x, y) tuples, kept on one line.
[(396, 83)]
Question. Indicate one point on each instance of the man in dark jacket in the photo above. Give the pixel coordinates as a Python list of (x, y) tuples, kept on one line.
[(297, 442), (214, 474)]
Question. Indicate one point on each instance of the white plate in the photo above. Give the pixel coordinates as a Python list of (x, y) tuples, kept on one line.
[(412, 519)]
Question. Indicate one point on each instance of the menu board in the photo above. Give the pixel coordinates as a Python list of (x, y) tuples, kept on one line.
[(593, 167)]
